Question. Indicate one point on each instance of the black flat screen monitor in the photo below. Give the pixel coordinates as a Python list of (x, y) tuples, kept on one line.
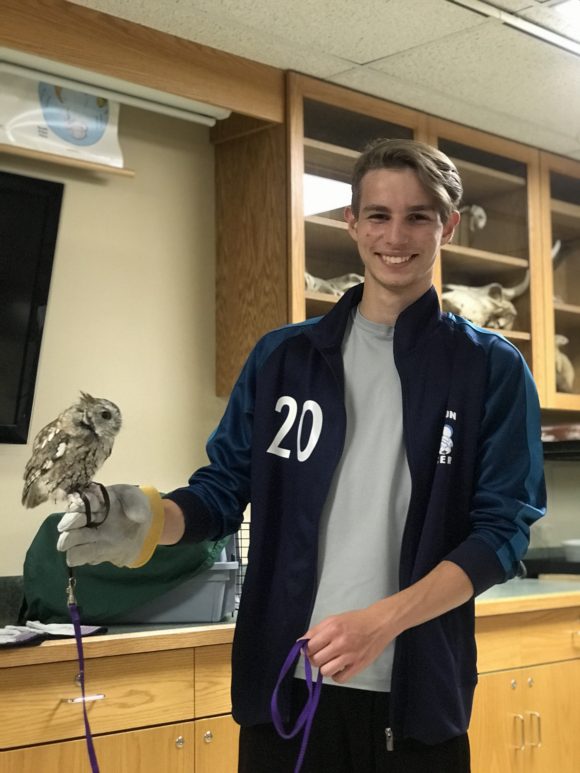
[(29, 217)]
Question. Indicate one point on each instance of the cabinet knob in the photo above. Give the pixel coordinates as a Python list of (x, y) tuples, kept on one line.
[(513, 684), (530, 681), (208, 736), (180, 742)]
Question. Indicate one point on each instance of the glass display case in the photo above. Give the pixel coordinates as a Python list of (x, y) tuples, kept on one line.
[(561, 248)]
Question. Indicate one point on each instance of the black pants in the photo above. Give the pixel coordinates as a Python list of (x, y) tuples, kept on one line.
[(348, 736)]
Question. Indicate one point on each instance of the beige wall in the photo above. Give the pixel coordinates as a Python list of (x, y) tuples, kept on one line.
[(130, 314)]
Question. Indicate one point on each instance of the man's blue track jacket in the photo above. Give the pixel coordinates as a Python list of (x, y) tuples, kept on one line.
[(278, 445)]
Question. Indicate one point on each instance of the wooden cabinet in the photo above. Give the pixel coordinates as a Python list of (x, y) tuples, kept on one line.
[(270, 236), (264, 241), (216, 745), (202, 746), (159, 703), (167, 749), (329, 127), (526, 711), (560, 191), (498, 240), (527, 720)]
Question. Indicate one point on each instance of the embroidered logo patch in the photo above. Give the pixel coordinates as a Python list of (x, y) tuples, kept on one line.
[(445, 455)]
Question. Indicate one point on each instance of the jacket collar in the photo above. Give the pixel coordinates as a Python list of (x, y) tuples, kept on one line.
[(415, 322)]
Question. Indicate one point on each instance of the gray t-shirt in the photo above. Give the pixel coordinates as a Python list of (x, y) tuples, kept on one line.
[(362, 523)]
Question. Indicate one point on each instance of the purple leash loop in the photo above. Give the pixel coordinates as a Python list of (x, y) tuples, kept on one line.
[(304, 721), (76, 621)]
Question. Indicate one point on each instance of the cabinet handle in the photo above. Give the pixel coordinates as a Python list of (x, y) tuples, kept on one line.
[(519, 719), (180, 742), (86, 699), (535, 715), (208, 736)]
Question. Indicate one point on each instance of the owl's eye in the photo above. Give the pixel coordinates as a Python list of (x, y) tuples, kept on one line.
[(106, 414)]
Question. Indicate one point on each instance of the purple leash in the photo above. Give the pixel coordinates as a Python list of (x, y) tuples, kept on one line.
[(76, 620), (304, 721)]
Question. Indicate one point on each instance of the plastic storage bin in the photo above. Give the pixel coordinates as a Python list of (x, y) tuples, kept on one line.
[(206, 598)]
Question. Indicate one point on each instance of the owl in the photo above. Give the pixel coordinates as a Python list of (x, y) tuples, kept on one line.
[(69, 451)]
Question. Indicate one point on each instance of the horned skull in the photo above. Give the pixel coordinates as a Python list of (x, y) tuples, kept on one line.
[(487, 306)]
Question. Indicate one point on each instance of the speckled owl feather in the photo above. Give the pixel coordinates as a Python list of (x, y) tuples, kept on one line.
[(67, 453)]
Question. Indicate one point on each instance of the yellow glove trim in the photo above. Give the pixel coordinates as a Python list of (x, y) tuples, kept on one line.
[(155, 530)]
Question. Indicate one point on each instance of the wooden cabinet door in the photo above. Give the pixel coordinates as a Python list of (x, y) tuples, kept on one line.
[(216, 745), (166, 749), (560, 208), (497, 732), (498, 238), (552, 709)]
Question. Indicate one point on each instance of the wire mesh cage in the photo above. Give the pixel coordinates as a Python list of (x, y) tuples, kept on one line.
[(242, 543)]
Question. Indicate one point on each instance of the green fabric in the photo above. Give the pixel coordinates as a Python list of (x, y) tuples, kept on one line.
[(104, 591)]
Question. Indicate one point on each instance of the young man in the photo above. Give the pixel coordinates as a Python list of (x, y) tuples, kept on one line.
[(392, 458)]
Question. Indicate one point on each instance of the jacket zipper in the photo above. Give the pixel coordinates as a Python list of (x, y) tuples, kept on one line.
[(390, 739)]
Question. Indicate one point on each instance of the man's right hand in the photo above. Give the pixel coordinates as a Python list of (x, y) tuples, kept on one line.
[(126, 536)]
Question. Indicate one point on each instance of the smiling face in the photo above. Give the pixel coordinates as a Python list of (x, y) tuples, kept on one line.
[(398, 231)]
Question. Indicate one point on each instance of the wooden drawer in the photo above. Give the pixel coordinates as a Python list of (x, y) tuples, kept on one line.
[(527, 638), (498, 643), (139, 690), (167, 749), (550, 635), (213, 680)]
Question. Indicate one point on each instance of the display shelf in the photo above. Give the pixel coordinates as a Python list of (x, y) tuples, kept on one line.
[(512, 335), (327, 160), (329, 238), (480, 263), (565, 219), (75, 163), (567, 311), (486, 182), (318, 303)]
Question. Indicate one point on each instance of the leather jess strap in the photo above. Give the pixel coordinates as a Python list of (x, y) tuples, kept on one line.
[(76, 621), (306, 716)]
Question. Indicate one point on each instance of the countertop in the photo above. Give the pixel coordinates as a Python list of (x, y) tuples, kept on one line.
[(120, 640), (528, 595), (512, 597)]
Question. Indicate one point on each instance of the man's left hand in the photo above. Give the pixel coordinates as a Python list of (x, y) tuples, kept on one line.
[(343, 645)]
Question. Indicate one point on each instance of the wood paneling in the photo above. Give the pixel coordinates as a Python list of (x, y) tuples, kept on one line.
[(251, 262), (81, 37)]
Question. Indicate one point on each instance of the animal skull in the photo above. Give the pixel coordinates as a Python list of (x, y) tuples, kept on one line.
[(337, 285), (487, 306), (564, 368)]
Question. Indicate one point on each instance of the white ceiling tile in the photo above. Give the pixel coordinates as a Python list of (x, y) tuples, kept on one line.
[(523, 77), (449, 106), (359, 32), (203, 23), (512, 6), (553, 20)]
